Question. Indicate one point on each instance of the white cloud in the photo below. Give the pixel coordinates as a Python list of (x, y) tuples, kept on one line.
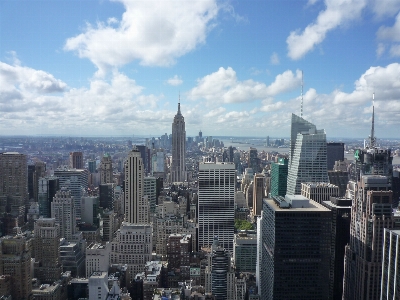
[(380, 49), (390, 33), (311, 2), (152, 31), (175, 81), (337, 13), (274, 59), (224, 87), (23, 79), (386, 8), (395, 50)]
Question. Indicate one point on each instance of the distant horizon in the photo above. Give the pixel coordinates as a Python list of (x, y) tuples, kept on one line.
[(156, 136)]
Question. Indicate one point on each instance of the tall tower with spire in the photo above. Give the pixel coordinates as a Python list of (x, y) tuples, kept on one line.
[(178, 170), (370, 188)]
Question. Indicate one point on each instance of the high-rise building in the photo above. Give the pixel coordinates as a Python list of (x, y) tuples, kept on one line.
[(371, 212), (150, 190), (35, 171), (46, 247), (47, 189), (216, 204), (307, 158), (15, 261), (370, 190), (75, 180), (106, 195), (132, 246), (258, 193), (106, 169), (63, 211), (92, 166), (279, 173), (245, 251), (178, 169), (253, 161), (13, 181), (76, 160), (295, 249), (334, 152), (340, 237), (136, 204), (97, 258), (390, 265)]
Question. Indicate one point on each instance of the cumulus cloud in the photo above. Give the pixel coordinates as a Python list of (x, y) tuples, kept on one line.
[(153, 32), (274, 59), (175, 81), (223, 86), (337, 13)]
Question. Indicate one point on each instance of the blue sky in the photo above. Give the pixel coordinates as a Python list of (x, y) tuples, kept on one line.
[(119, 67)]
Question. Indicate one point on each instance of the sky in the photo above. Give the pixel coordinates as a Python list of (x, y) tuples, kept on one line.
[(120, 67)]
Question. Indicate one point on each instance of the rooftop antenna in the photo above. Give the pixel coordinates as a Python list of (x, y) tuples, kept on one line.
[(372, 137), (179, 103), (302, 83)]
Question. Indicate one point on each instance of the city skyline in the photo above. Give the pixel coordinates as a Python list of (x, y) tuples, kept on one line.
[(237, 66)]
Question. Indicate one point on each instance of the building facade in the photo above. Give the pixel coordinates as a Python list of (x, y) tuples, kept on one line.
[(391, 265), (279, 173), (106, 169), (216, 204), (76, 160), (295, 249), (63, 211)]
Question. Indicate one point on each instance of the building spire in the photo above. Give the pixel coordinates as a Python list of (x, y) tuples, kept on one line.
[(372, 138), (179, 104)]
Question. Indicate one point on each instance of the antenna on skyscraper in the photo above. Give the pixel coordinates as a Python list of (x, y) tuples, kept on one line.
[(372, 139), (302, 83)]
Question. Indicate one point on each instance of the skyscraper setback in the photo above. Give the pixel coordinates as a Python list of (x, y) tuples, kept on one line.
[(178, 170)]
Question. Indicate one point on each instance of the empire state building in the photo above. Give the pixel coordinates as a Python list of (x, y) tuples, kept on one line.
[(178, 172)]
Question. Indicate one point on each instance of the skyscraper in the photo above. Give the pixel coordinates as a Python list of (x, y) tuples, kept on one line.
[(334, 152), (253, 161), (136, 204), (279, 173), (216, 204), (258, 193), (75, 180), (47, 250), (391, 262), (63, 211), (13, 181), (370, 189), (307, 160), (106, 169), (178, 170), (76, 160), (48, 187), (295, 249)]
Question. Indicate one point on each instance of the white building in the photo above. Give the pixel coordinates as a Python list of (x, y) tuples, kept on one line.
[(97, 258), (216, 204), (98, 286), (132, 246), (63, 210)]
